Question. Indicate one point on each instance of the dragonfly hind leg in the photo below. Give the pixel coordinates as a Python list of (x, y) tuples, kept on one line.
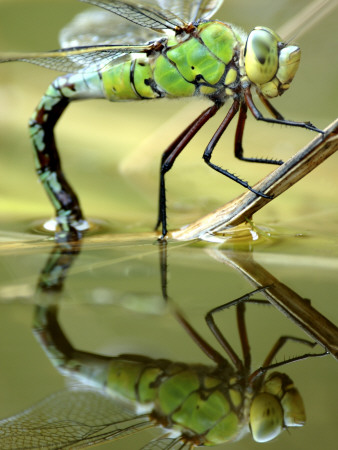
[(171, 153), (47, 161)]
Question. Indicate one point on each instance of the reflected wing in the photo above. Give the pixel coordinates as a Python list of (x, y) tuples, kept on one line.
[(145, 15), (70, 419), (77, 60), (99, 27)]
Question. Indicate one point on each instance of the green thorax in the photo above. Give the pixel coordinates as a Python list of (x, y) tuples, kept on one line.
[(196, 400), (202, 62)]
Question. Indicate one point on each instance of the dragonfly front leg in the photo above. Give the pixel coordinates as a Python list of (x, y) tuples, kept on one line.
[(239, 303), (278, 118), (239, 137), (212, 144), (47, 161)]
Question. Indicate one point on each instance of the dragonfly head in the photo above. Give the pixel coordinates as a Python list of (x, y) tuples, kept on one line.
[(276, 407), (269, 63)]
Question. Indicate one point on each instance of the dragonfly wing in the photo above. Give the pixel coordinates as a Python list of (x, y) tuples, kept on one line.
[(100, 27), (71, 418), (166, 443), (97, 27), (205, 9), (79, 59), (146, 15), (192, 10)]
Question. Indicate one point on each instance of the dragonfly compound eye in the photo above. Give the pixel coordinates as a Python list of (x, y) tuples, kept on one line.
[(266, 417), (261, 55), (281, 386), (289, 58), (293, 406), (269, 64)]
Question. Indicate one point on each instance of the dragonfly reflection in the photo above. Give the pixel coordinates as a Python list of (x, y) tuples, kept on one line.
[(193, 404)]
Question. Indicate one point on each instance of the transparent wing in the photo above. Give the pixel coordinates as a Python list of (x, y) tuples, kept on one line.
[(77, 60), (146, 14), (208, 8), (97, 31), (99, 27), (70, 419), (191, 10)]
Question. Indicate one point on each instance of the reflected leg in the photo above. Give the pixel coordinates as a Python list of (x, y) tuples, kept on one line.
[(244, 339), (209, 351), (278, 345), (241, 328)]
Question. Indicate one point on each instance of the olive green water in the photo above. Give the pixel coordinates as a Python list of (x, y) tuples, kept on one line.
[(112, 298)]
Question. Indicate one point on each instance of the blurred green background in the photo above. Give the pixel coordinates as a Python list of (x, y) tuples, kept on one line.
[(111, 154)]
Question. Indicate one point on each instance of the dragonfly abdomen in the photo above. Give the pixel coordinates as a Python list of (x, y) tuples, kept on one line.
[(130, 80), (41, 128)]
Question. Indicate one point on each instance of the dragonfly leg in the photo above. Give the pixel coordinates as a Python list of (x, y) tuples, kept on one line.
[(280, 343), (207, 349), (163, 254), (273, 111), (170, 155), (212, 144), (279, 119), (47, 161), (263, 369), (239, 137), (239, 302), (243, 334)]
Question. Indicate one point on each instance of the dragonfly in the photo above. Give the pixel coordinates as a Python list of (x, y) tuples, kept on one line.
[(112, 397), (161, 50)]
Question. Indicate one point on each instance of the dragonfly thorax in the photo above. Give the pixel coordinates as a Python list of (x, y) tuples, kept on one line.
[(269, 63)]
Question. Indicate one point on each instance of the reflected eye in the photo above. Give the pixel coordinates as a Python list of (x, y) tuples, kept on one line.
[(266, 417), (261, 55), (294, 411)]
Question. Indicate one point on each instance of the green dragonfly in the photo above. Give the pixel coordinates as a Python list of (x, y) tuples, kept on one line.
[(163, 49), (192, 404)]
